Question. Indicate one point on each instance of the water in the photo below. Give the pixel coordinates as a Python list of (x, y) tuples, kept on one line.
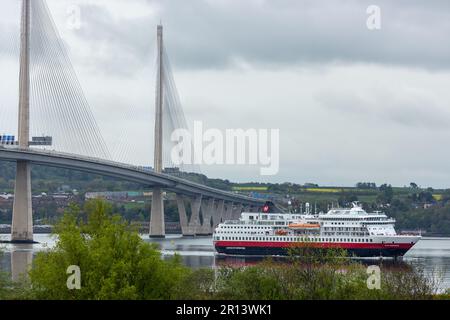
[(430, 254)]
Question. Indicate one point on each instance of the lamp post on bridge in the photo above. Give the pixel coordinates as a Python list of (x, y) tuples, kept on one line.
[(22, 222), (157, 228)]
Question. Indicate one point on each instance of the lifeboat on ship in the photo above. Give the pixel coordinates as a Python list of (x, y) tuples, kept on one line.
[(308, 226)]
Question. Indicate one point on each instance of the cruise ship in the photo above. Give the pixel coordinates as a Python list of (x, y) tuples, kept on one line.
[(353, 229)]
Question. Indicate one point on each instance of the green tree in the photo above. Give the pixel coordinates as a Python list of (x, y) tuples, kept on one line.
[(386, 193), (347, 198), (115, 263)]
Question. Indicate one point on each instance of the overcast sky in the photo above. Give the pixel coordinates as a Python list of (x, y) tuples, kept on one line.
[(352, 104)]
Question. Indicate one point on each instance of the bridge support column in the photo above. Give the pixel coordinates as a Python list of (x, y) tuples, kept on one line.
[(22, 223), (228, 214), (157, 227), (237, 211), (194, 222), (218, 214), (184, 223), (157, 215), (207, 213)]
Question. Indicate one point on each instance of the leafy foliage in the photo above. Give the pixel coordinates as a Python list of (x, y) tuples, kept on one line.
[(115, 262)]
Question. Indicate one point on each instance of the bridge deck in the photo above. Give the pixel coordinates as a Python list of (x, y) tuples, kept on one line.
[(120, 170)]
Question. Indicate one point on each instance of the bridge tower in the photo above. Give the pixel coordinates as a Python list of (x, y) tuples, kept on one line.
[(157, 228), (22, 224)]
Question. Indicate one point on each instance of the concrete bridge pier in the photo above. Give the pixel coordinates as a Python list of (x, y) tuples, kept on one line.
[(22, 220), (236, 214), (182, 214), (228, 213), (218, 213), (207, 213), (157, 226), (189, 227)]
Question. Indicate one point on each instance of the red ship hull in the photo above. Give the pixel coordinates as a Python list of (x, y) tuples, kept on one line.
[(283, 248)]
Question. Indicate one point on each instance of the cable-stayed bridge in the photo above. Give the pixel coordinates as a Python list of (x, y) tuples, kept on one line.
[(51, 101)]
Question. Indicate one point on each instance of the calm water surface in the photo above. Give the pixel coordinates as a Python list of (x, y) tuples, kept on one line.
[(431, 254)]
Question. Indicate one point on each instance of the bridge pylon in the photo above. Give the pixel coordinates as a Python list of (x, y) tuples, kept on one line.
[(22, 222), (157, 227)]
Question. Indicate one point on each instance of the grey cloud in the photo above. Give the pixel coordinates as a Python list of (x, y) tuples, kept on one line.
[(286, 32), (401, 108), (117, 46), (214, 34)]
